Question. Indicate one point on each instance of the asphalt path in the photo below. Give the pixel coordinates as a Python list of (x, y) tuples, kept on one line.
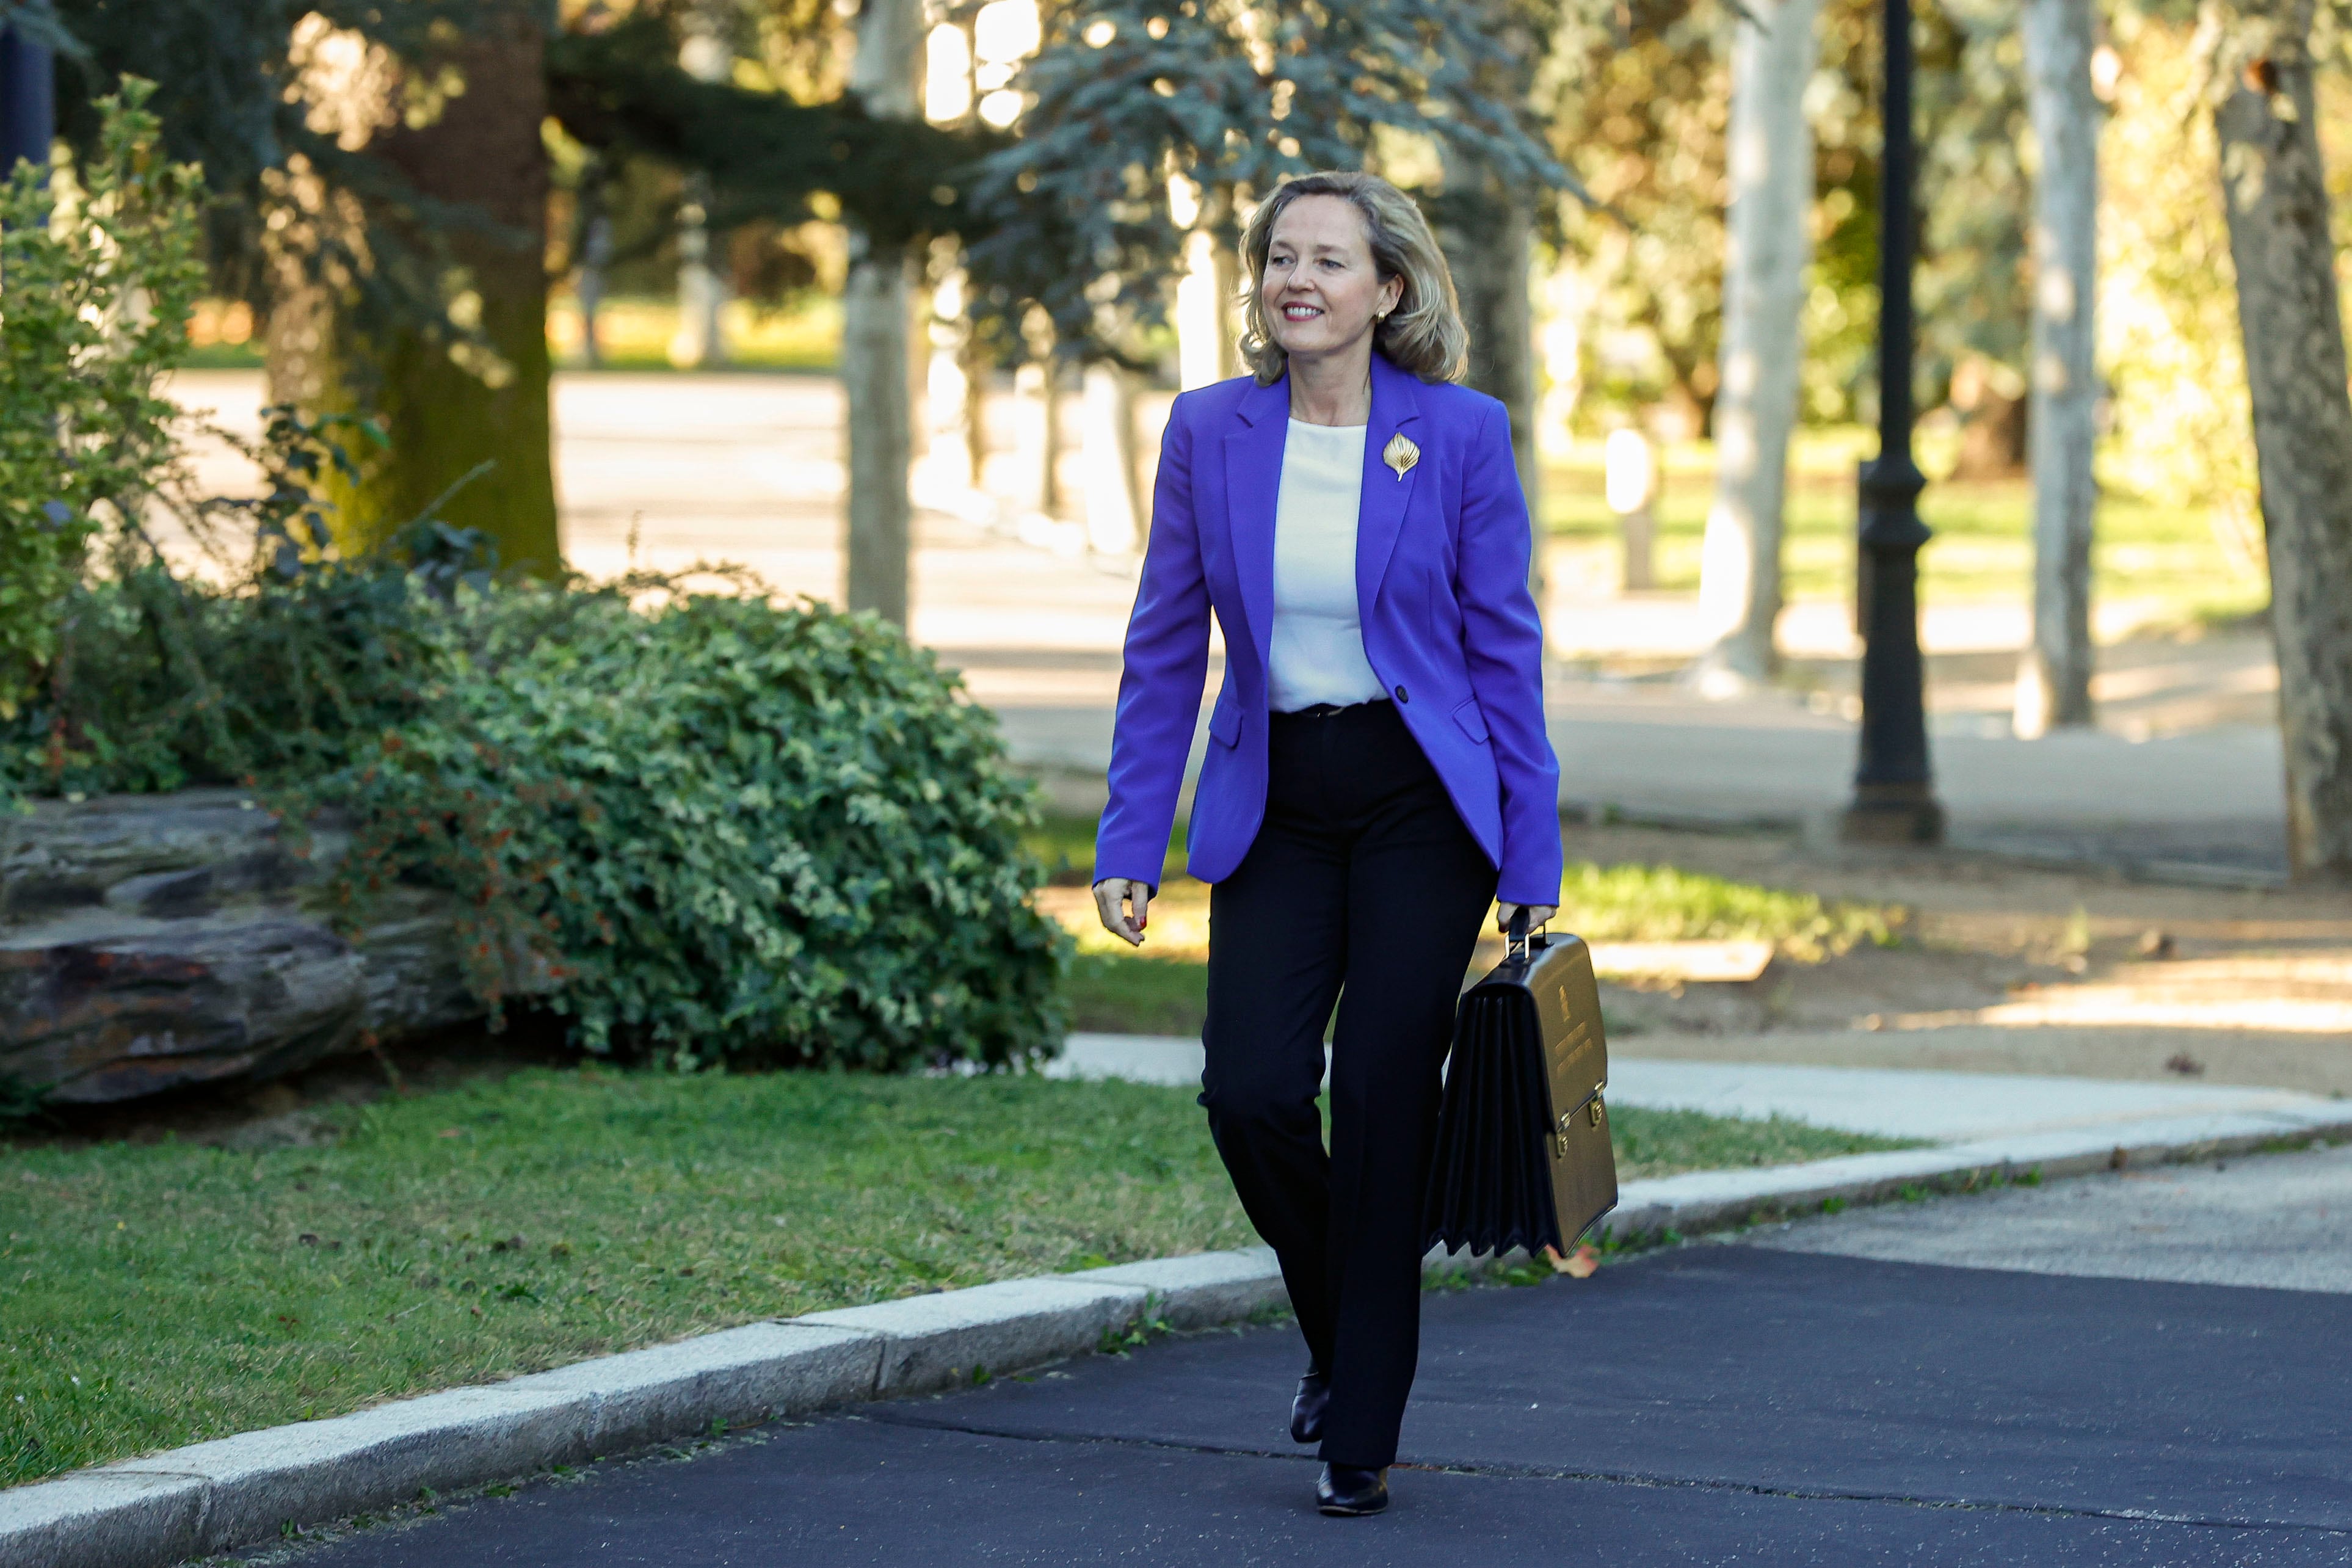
[(2128, 1370)]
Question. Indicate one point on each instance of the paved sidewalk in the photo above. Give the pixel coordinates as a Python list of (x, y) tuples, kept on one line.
[(1941, 1108), (1811, 1393)]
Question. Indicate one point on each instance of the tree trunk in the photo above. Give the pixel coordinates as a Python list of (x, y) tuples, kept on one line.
[(948, 466), (1205, 349), (1107, 448), (1491, 260), (1489, 243), (2275, 192), (699, 341), (1995, 443), (973, 361), (595, 255), (873, 310), (1768, 244), (2054, 679), (888, 77), (1037, 441), (449, 407)]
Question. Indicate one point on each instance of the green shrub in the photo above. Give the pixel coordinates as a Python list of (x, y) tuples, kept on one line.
[(100, 266), (731, 831), (743, 832), (726, 831), (160, 681), (162, 684)]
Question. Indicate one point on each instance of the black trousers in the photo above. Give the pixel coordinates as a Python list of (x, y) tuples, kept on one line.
[(1363, 886)]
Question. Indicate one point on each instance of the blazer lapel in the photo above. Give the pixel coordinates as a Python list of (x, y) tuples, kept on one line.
[(1380, 516), (1252, 483)]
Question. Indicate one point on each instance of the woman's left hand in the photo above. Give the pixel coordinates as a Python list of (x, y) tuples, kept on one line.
[(1537, 915)]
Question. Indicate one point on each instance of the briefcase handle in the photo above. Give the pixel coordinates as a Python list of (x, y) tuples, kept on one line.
[(1518, 941)]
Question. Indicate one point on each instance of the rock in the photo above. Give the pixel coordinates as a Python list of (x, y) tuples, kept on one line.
[(148, 942), (101, 1015)]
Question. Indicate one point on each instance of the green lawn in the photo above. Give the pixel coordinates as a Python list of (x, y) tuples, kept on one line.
[(1981, 550), (1666, 903), (1162, 989), (634, 334), (1063, 841), (163, 1294), (1136, 993)]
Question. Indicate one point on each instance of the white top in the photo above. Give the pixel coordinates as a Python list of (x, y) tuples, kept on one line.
[(1317, 651)]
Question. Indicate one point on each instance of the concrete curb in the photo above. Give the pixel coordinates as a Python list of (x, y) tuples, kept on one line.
[(1705, 1200), (218, 1496)]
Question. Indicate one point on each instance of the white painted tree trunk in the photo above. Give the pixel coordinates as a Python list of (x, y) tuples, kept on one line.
[(1205, 349), (699, 341), (1559, 346), (953, 462), (1037, 440), (596, 254), (2054, 678), (875, 347), (1106, 450), (2274, 191), (1767, 245)]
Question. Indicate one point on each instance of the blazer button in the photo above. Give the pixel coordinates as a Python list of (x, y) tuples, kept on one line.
[(1402, 696)]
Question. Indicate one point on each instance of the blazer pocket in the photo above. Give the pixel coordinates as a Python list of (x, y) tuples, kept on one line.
[(1225, 722), (1472, 721)]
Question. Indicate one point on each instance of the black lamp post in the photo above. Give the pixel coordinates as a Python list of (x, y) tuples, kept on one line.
[(1893, 791), (28, 99)]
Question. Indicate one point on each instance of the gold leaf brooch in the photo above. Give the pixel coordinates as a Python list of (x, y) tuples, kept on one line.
[(1400, 454)]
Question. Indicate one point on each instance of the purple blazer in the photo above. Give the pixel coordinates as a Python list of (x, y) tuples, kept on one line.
[(1449, 626)]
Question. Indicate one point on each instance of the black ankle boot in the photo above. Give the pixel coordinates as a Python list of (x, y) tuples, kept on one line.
[(1307, 1410), (1346, 1491)]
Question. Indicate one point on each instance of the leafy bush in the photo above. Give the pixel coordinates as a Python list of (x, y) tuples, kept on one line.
[(739, 832), (161, 684), (159, 681), (100, 266), (730, 832)]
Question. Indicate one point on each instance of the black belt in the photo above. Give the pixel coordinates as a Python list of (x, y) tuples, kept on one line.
[(1332, 709)]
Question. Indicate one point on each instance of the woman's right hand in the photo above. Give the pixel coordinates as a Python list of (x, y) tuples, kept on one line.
[(1114, 892)]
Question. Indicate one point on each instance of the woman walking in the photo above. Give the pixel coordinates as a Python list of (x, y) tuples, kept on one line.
[(1377, 775)]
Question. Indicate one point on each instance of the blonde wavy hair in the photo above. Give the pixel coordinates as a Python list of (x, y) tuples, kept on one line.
[(1423, 334)]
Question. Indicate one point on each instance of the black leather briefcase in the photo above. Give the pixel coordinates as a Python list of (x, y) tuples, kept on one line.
[(1523, 1154)]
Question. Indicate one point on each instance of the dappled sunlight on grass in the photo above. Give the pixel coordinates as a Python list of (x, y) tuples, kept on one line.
[(2174, 556), (1664, 903), (634, 333), (1161, 988), (1620, 903)]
